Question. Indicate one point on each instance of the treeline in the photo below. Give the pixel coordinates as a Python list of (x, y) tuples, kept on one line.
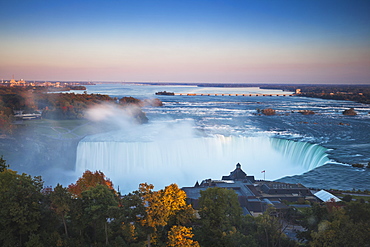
[(57, 106), (357, 93), (363, 98), (91, 213)]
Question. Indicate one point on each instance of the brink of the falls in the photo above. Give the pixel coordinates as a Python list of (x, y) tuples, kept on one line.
[(129, 158)]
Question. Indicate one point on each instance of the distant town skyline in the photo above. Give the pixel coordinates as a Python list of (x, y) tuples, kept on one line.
[(225, 41)]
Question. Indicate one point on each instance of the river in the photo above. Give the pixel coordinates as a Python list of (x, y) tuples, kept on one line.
[(191, 138)]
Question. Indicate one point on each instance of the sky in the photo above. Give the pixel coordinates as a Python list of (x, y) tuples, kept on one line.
[(233, 41)]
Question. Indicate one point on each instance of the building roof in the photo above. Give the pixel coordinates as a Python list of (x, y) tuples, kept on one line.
[(237, 174), (251, 194), (326, 196)]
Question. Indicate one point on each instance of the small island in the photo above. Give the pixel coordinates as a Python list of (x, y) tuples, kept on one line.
[(350, 112), (165, 93)]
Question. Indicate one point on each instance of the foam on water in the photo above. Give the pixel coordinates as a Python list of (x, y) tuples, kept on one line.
[(173, 154), (230, 126)]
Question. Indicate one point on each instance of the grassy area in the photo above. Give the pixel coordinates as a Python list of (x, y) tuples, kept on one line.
[(60, 129), (46, 131), (354, 196), (67, 124)]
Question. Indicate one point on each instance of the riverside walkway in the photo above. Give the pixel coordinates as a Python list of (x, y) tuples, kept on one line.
[(228, 94)]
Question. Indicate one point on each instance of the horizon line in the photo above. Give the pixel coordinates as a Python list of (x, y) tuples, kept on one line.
[(196, 83)]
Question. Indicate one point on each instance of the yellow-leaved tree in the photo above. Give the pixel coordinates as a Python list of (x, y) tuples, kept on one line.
[(181, 236), (164, 207)]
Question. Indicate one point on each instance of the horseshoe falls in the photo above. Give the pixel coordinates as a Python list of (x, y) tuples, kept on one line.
[(303, 154), (315, 150), (187, 160)]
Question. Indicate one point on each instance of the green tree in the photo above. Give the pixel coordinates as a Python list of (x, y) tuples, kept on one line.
[(3, 165), (335, 232), (220, 213), (358, 212), (347, 198), (89, 207), (270, 230), (347, 226), (311, 218), (131, 211), (98, 202), (20, 210), (61, 203)]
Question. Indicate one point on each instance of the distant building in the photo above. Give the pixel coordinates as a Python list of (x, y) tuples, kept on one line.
[(23, 83), (254, 196), (14, 83)]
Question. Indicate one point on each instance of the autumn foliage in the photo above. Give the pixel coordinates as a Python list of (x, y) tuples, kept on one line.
[(181, 236), (89, 180), (90, 213), (163, 208), (163, 204)]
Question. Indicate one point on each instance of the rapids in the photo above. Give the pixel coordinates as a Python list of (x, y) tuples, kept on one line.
[(314, 150), (164, 159)]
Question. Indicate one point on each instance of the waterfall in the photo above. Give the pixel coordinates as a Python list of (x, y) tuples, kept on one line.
[(302, 154), (189, 159)]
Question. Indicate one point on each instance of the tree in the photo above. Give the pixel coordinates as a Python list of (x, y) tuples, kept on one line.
[(93, 196), (333, 224), (20, 210), (219, 212), (88, 180), (130, 101), (270, 230), (336, 232), (347, 198), (132, 210), (181, 236), (310, 220), (61, 203), (358, 212), (97, 203), (163, 206), (3, 165)]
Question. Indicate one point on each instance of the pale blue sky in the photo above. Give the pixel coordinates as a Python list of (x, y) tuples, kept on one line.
[(269, 41)]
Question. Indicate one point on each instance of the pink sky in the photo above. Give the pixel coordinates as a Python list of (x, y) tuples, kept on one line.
[(231, 41)]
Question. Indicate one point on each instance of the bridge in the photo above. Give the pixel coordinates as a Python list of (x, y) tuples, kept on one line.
[(228, 94)]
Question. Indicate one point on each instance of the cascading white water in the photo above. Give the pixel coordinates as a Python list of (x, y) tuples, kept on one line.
[(185, 160), (302, 154)]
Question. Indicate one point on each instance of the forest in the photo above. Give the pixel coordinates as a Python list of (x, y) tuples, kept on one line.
[(58, 106), (356, 93), (90, 212)]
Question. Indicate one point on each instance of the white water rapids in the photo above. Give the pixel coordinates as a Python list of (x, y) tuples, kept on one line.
[(132, 157)]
